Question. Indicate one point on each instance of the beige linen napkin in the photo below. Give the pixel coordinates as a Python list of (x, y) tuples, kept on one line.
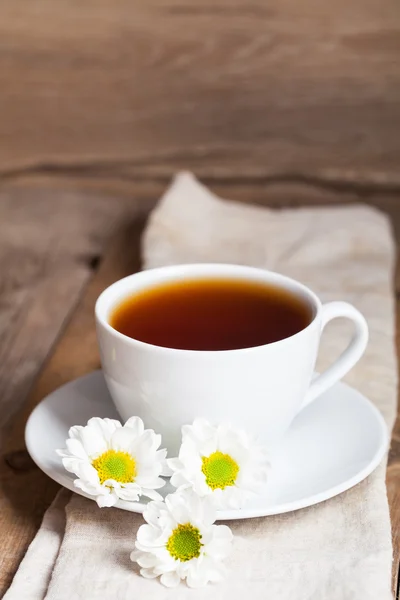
[(337, 550)]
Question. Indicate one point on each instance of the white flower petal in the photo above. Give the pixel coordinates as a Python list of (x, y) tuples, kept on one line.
[(196, 580), (149, 443), (130, 494), (88, 488), (209, 513), (93, 443), (136, 425), (104, 427), (152, 552), (63, 452), (122, 439), (161, 457), (222, 533), (71, 464), (87, 443), (148, 573), (106, 500), (200, 486), (112, 484), (150, 481), (170, 579), (75, 432), (221, 542), (201, 440), (87, 472), (148, 536), (153, 511), (152, 494), (135, 555), (75, 448), (201, 431), (165, 562), (180, 510), (216, 571), (178, 480), (175, 464), (191, 454), (144, 559)]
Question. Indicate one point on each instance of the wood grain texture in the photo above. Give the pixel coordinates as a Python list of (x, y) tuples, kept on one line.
[(227, 88), (280, 103), (49, 243), (393, 470), (26, 492)]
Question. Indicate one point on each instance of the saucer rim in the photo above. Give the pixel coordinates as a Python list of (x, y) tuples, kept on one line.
[(66, 479)]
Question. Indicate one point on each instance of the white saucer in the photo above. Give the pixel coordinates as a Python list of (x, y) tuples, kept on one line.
[(331, 446)]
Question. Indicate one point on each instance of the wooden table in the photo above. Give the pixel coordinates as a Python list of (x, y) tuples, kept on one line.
[(280, 103)]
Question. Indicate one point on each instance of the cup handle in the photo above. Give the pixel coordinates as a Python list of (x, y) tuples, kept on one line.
[(349, 356)]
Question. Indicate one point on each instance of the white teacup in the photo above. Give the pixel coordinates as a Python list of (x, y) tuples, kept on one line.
[(258, 389)]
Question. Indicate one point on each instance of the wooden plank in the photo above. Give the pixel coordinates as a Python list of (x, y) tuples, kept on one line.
[(393, 491), (393, 470), (229, 87), (49, 244), (26, 491)]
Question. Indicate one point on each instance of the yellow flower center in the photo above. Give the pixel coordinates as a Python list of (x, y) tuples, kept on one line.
[(184, 543), (116, 465), (220, 469)]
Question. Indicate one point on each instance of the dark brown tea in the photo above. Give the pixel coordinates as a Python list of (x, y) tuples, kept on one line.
[(211, 314)]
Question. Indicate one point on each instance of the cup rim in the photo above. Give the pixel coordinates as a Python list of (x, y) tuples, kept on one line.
[(104, 304)]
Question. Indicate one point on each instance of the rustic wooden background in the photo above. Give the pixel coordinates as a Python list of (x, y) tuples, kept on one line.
[(286, 102)]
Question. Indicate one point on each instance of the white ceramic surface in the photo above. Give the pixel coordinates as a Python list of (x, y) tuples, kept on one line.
[(332, 445), (168, 388)]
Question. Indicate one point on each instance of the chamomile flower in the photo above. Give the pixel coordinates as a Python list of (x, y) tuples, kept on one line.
[(180, 541), (219, 461), (115, 462)]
